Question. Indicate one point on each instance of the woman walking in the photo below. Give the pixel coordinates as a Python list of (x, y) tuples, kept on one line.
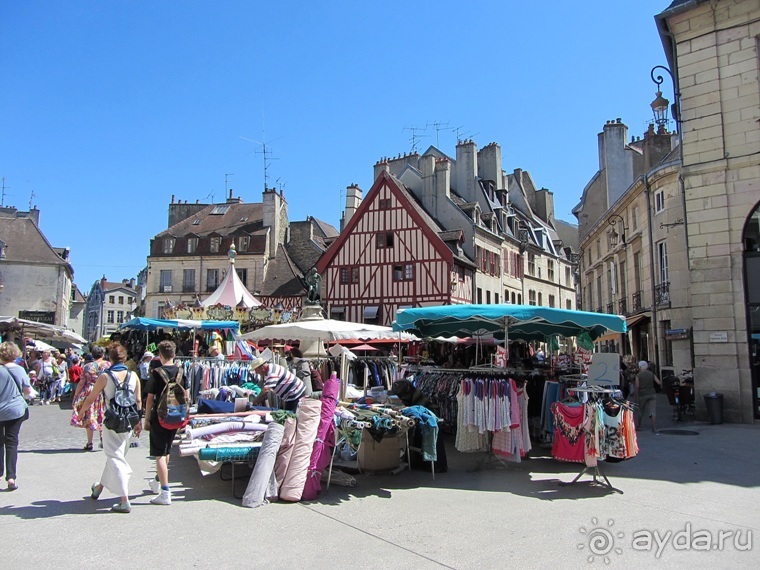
[(117, 471), (91, 417), (14, 389)]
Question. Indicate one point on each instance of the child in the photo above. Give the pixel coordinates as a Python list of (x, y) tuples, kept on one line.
[(33, 382)]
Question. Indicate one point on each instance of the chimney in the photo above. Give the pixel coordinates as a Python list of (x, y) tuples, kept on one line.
[(353, 201), (467, 170), (489, 164), (545, 206), (103, 283), (442, 179), (616, 160), (274, 218), (429, 197), (381, 166), (232, 200)]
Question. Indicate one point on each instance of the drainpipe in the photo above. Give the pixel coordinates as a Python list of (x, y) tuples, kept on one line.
[(655, 324)]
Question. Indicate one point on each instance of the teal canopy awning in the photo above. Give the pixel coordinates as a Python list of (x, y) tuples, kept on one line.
[(144, 324), (524, 322)]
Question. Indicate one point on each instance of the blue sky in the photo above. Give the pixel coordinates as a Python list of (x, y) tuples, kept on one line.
[(111, 107)]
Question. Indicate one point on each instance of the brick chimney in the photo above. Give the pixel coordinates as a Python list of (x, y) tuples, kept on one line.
[(489, 164)]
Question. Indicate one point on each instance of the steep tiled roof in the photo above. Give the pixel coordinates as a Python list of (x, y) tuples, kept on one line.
[(283, 277), (243, 218), (25, 242)]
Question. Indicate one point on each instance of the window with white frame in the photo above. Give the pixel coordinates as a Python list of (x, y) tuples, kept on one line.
[(119, 317), (634, 218), (214, 244), (109, 316), (531, 297), (550, 269), (169, 245), (192, 244), (531, 264), (659, 201), (243, 242), (212, 279), (662, 258)]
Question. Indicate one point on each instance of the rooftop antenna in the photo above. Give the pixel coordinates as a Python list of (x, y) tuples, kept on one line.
[(31, 200), (414, 138), (438, 126), (461, 136), (2, 197), (210, 195), (226, 187), (267, 154)]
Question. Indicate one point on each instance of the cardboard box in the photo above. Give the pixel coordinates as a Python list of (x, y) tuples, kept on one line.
[(382, 456)]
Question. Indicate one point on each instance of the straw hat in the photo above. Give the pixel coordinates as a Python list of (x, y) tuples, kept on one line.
[(258, 362)]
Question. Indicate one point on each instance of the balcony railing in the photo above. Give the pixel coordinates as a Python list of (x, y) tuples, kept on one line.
[(599, 310), (662, 294), (636, 301), (610, 309), (622, 307)]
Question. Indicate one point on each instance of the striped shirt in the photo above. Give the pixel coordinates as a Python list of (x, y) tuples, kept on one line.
[(285, 384)]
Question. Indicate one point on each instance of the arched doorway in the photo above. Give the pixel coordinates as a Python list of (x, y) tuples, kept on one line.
[(751, 240)]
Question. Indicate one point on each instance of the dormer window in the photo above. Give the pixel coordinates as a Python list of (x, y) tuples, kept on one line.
[(243, 242), (214, 244), (169, 245), (192, 244)]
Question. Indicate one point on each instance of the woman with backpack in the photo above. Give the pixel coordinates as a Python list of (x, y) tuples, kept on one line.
[(90, 418), (117, 471)]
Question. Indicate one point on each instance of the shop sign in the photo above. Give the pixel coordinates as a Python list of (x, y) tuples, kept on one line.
[(47, 317)]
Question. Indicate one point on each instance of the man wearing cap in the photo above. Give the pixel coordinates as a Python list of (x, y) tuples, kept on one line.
[(286, 385)]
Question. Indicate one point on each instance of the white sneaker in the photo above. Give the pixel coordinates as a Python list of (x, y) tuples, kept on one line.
[(155, 486), (163, 498)]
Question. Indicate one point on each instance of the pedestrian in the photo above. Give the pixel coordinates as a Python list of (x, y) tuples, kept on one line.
[(644, 394), (116, 473), (160, 438), (143, 370), (14, 389), (75, 373), (33, 393), (90, 418), (301, 367), (278, 379), (46, 376), (60, 377)]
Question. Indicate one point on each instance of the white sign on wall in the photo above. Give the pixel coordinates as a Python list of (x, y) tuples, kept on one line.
[(718, 337)]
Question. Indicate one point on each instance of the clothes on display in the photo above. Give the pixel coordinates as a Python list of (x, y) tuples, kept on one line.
[(599, 428)]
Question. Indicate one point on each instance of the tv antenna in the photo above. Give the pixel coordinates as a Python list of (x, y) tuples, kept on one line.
[(210, 195), (414, 138), (31, 200), (462, 136), (226, 187), (267, 154), (438, 126), (2, 197)]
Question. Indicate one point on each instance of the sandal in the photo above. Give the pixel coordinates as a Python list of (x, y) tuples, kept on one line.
[(121, 508), (87, 447), (96, 489)]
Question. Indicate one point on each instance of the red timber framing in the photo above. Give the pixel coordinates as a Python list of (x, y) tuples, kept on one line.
[(387, 257)]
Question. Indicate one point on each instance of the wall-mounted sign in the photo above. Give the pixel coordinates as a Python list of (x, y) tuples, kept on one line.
[(718, 337), (676, 334), (47, 317)]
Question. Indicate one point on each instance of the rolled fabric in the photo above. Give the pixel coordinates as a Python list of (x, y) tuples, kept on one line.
[(286, 449), (195, 433), (263, 484), (246, 453), (322, 450), (309, 412)]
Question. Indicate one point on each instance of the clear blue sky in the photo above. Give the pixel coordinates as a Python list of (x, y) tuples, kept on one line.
[(110, 107)]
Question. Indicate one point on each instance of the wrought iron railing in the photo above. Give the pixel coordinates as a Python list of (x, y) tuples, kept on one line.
[(662, 294), (599, 310), (622, 307), (610, 310), (636, 301)]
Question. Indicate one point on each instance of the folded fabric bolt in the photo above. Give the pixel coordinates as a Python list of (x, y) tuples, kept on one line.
[(194, 433), (229, 453)]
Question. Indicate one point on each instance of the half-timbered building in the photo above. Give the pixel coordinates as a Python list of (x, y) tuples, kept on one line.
[(391, 254)]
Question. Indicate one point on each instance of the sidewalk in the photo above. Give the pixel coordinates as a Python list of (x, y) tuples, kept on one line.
[(516, 515)]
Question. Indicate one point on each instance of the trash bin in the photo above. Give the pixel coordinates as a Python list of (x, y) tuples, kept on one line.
[(714, 404)]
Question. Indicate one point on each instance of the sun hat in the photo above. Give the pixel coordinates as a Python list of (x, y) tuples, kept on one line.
[(258, 362), (147, 354)]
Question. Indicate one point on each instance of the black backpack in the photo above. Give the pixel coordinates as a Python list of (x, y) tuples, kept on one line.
[(122, 414)]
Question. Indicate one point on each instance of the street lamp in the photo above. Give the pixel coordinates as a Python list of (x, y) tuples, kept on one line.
[(612, 220), (660, 104)]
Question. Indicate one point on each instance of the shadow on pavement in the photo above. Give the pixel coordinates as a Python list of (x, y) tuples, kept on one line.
[(49, 509)]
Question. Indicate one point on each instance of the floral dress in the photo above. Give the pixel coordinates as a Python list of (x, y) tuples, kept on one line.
[(91, 418)]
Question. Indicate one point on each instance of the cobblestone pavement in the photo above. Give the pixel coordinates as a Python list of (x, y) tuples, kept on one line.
[(477, 515)]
